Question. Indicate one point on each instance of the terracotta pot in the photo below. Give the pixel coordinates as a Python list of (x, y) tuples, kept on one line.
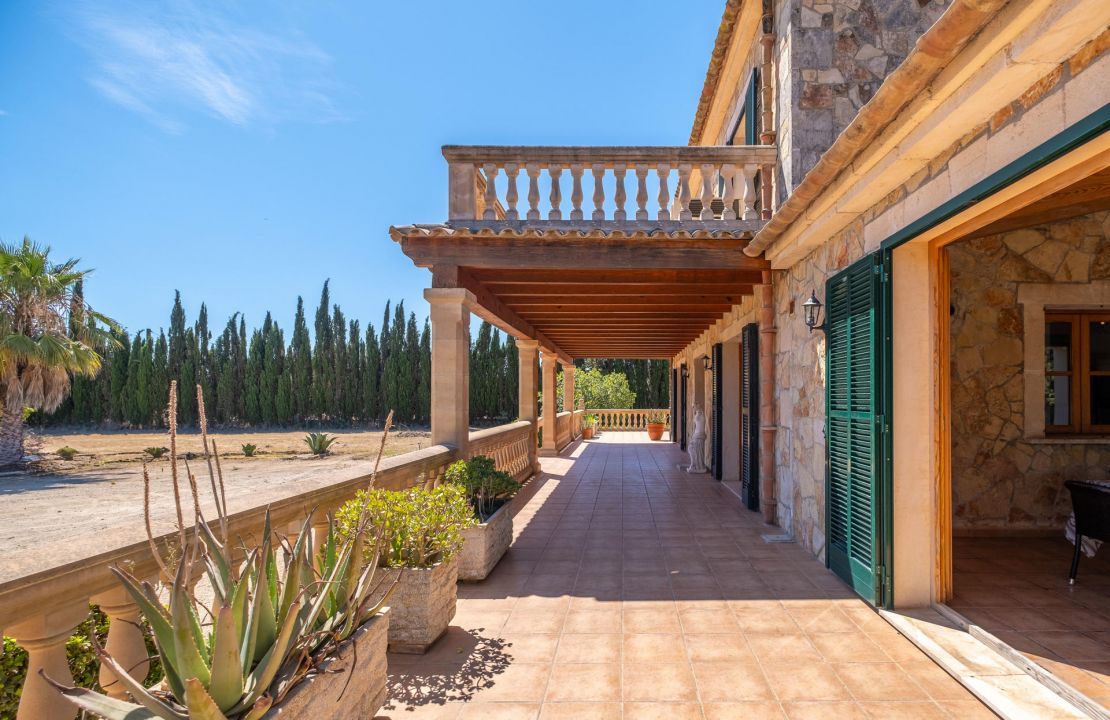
[(587, 433), (356, 673), (483, 545), (655, 431)]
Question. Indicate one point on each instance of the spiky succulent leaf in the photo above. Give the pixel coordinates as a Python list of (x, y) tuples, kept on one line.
[(140, 694), (200, 703), (104, 706), (190, 661), (259, 679), (226, 687)]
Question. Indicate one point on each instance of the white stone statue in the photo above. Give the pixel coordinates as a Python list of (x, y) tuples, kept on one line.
[(696, 446)]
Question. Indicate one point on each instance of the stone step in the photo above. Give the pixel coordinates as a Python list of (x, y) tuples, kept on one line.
[(999, 683)]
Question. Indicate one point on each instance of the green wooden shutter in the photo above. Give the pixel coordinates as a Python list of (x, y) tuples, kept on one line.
[(749, 416), (717, 456), (752, 110), (854, 434)]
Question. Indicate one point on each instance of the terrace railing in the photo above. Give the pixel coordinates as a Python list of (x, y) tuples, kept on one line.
[(626, 420), (563, 432), (511, 446), (620, 185), (42, 610)]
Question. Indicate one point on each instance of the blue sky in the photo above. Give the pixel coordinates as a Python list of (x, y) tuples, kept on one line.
[(244, 152)]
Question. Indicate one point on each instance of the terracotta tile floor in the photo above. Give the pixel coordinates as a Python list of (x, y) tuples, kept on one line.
[(1017, 589), (633, 590)]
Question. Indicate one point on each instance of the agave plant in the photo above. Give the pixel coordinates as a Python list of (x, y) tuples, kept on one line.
[(268, 626), (249, 449), (319, 443)]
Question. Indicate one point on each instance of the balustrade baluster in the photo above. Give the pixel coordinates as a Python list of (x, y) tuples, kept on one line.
[(490, 171), (663, 172), (641, 192), (576, 192), (44, 638), (599, 191), (511, 171), (728, 174), (125, 640), (533, 171), (749, 192), (556, 212), (684, 192), (619, 197), (708, 176)]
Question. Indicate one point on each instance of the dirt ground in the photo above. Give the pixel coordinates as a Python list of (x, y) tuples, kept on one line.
[(123, 448)]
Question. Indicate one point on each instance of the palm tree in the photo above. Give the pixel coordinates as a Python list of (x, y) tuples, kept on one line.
[(47, 334)]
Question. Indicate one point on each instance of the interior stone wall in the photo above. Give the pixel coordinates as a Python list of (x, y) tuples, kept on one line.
[(1000, 479), (837, 53)]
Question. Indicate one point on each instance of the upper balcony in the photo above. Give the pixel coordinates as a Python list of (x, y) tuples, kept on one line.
[(625, 190)]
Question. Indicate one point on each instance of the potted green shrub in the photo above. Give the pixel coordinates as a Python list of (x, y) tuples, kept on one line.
[(488, 491), (589, 427), (284, 619), (656, 424), (419, 532)]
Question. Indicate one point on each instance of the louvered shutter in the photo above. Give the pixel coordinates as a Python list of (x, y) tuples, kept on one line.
[(749, 416), (854, 425), (682, 409), (718, 425)]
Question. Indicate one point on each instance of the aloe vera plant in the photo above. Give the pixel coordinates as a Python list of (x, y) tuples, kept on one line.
[(267, 627)]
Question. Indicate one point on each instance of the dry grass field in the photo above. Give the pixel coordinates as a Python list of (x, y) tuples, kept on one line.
[(100, 449)]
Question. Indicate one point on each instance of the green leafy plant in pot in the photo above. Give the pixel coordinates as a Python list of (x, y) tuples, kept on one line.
[(589, 426), (656, 424), (486, 487)]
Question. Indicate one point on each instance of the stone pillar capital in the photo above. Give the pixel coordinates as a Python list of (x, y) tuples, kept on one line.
[(527, 344), (450, 296)]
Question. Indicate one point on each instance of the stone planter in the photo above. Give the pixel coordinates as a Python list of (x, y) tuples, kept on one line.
[(655, 431), (422, 605), (483, 545), (355, 677)]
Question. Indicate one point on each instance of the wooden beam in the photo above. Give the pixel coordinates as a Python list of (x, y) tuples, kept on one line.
[(509, 291), (618, 308), (491, 309), (520, 301), (498, 276), (579, 253)]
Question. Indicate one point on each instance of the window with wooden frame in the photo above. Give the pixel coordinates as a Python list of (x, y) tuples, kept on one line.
[(1077, 372)]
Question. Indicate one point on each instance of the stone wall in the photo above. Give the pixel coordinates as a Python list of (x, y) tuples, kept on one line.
[(1000, 479), (832, 57)]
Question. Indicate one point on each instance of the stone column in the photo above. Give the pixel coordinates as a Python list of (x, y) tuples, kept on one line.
[(767, 427), (125, 640), (550, 404), (450, 366), (527, 350), (568, 388), (44, 638)]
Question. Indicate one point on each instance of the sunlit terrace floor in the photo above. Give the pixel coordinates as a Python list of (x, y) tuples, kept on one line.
[(1017, 590), (634, 590)]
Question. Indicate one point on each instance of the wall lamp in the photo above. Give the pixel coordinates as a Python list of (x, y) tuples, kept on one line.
[(812, 310), (707, 362)]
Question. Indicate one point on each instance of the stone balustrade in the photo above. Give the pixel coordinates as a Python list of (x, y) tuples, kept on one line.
[(510, 446), (619, 185), (563, 432), (42, 610), (626, 420)]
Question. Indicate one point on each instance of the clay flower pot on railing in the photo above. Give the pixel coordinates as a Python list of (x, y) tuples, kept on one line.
[(656, 424)]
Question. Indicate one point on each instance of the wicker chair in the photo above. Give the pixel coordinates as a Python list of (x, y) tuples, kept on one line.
[(1091, 504)]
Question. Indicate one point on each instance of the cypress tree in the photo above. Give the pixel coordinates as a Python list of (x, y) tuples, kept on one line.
[(118, 384), (145, 378), (272, 362), (371, 374), (300, 360), (424, 382), (510, 380), (256, 358), (395, 393), (177, 341), (160, 381), (205, 375), (131, 395), (323, 360), (355, 359), (339, 365), (186, 382), (411, 375)]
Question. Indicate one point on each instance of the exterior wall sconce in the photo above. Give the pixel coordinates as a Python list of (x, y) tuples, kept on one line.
[(685, 373), (707, 362), (812, 310)]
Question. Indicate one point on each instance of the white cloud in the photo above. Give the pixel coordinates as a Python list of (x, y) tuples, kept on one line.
[(165, 60)]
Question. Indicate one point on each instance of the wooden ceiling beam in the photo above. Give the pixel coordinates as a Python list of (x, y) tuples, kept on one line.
[(582, 253), (511, 291), (618, 308), (491, 309), (521, 301), (614, 276)]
